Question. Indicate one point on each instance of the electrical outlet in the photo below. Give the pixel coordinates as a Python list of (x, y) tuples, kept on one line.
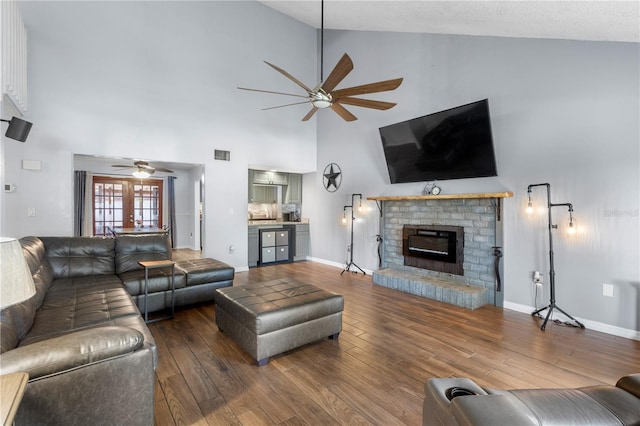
[(607, 290), (31, 211), (537, 278), (231, 249)]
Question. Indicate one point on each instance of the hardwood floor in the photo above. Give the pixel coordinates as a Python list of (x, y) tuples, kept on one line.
[(391, 343)]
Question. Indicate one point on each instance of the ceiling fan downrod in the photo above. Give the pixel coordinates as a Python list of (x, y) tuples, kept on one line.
[(321, 40)]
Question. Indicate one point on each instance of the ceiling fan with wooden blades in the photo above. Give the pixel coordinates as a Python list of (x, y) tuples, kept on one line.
[(324, 95), (142, 168)]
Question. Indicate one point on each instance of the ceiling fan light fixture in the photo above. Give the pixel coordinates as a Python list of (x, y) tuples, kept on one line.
[(320, 99), (141, 174)]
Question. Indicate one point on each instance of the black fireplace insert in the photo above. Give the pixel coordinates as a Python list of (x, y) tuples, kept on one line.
[(435, 247)]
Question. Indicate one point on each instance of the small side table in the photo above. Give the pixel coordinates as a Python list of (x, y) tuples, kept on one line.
[(12, 388), (156, 264)]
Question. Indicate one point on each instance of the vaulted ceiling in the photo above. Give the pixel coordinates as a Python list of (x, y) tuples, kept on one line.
[(573, 20)]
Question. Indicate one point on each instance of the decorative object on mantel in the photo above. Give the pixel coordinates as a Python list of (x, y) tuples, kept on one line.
[(350, 261), (18, 129), (431, 189), (332, 177), (323, 95), (552, 285)]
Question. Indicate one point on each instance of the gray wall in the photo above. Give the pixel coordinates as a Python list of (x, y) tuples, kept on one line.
[(563, 112), (128, 78)]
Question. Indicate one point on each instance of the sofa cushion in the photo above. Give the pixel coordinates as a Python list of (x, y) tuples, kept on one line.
[(16, 320), (159, 280), (205, 271), (625, 405), (630, 383), (72, 350), (8, 332), (35, 255), (130, 249), (580, 406), (76, 303), (79, 256)]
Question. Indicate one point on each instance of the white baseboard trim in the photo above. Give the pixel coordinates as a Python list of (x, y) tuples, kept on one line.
[(591, 325), (336, 264), (325, 262), (241, 268)]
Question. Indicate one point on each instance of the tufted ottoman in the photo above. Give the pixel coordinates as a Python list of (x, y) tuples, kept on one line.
[(272, 317)]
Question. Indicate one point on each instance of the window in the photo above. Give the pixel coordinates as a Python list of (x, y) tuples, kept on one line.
[(124, 202)]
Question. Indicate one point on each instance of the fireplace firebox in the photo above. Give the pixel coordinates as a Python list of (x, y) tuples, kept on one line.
[(435, 247)]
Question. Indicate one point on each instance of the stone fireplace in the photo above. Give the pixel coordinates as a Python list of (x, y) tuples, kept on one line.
[(442, 247)]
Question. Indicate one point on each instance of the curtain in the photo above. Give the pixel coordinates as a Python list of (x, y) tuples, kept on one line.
[(79, 197), (171, 208), (87, 226)]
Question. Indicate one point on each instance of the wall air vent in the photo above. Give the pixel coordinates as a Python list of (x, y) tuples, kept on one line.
[(222, 155)]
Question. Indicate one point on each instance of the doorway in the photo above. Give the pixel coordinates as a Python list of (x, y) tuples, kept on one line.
[(126, 203)]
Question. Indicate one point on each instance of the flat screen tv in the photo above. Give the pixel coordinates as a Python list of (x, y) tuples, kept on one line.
[(452, 144)]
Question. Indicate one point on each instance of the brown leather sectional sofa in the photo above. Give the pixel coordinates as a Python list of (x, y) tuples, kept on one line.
[(89, 354)]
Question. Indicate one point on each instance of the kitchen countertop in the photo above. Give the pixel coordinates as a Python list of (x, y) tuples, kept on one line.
[(276, 222)]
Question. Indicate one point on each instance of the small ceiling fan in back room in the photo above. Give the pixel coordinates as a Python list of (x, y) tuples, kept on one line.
[(142, 169), (324, 95)]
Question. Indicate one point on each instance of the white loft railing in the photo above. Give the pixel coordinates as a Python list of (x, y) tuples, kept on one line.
[(14, 55)]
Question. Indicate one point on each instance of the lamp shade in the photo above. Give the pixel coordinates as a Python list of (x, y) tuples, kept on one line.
[(16, 282), (18, 129)]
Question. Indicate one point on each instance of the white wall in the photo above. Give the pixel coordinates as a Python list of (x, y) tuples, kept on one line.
[(159, 80), (127, 78), (563, 112)]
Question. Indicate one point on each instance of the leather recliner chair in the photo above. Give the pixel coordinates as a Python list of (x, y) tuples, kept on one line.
[(459, 401)]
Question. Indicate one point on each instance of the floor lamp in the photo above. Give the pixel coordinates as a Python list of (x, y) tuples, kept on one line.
[(552, 274), (350, 262)]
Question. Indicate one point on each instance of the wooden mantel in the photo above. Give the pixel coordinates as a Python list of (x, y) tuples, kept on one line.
[(441, 196)]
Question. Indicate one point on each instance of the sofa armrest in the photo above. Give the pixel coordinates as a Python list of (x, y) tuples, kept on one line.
[(630, 383), (71, 350), (491, 410)]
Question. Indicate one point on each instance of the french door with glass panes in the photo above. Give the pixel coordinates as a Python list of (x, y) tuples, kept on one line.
[(126, 203)]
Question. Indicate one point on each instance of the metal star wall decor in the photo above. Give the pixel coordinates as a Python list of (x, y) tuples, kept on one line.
[(332, 177)]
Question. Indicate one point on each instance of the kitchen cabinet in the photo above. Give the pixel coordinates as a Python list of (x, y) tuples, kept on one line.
[(293, 194), (263, 194), (302, 242), (254, 246), (262, 177)]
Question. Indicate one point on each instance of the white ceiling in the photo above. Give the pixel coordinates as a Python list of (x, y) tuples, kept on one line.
[(574, 20)]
